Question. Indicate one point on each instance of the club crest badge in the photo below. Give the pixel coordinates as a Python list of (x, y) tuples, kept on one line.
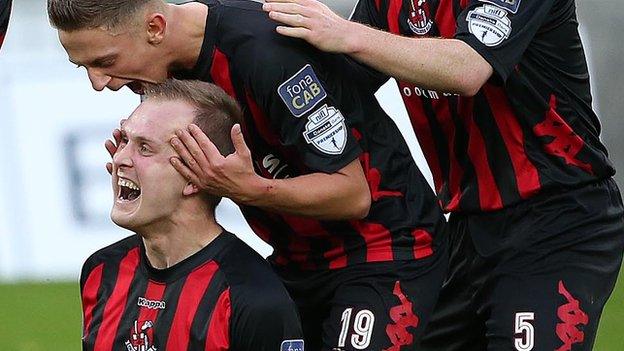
[(292, 345), (141, 337), (326, 130), (490, 24), (419, 19)]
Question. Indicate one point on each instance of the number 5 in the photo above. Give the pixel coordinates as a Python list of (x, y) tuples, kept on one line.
[(523, 327)]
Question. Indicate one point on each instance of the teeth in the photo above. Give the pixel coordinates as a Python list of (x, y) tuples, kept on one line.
[(128, 184)]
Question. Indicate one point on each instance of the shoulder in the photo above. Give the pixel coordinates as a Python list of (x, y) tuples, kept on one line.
[(251, 279), (111, 254)]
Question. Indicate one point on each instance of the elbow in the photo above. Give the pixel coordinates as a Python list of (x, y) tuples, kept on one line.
[(470, 82), (361, 204)]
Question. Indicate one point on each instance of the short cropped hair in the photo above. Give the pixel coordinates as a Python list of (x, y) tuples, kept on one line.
[(71, 15), (216, 112)]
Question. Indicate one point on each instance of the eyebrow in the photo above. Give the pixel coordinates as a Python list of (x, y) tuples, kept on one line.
[(140, 138), (95, 62)]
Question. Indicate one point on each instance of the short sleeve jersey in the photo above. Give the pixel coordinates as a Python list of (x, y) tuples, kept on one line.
[(531, 127), (306, 112), (217, 299)]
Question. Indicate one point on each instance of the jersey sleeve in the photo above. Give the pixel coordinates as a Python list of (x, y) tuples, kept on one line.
[(501, 30), (303, 102), (265, 322)]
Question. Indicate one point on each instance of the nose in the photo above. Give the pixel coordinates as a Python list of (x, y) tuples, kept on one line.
[(98, 79), (122, 157)]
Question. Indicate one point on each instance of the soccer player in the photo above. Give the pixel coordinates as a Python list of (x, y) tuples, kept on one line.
[(5, 12), (499, 97), (181, 282), (327, 180)]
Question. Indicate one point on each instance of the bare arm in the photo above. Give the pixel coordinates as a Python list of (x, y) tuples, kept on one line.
[(447, 65), (342, 195)]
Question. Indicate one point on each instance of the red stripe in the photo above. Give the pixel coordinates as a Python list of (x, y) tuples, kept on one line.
[(463, 3), (423, 133), (373, 177), (378, 241), (378, 4), (154, 292), (193, 290), (445, 19), (116, 303), (443, 114), (218, 338), (336, 255), (262, 123), (422, 243), (299, 251), (526, 173), (89, 296), (393, 16), (220, 73), (489, 196)]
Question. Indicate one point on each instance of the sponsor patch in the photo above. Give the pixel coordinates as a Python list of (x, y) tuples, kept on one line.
[(292, 345), (489, 24), (302, 92), (326, 130), (510, 5)]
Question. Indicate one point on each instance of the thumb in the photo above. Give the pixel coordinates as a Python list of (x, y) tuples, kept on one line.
[(239, 141)]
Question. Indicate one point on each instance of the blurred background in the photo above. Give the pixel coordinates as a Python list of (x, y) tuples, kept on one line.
[(55, 193)]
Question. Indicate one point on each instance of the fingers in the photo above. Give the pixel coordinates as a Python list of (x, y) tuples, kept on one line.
[(239, 141), (301, 33), (109, 168), (288, 8), (208, 148), (110, 147), (288, 19), (186, 172), (189, 151)]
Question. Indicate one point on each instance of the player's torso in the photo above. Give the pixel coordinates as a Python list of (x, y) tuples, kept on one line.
[(511, 141), (125, 310), (404, 210)]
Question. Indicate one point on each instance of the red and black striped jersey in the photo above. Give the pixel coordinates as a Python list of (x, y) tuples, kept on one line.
[(307, 111), (5, 12), (220, 298), (530, 128)]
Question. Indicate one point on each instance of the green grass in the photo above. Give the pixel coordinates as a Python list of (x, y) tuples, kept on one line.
[(47, 317)]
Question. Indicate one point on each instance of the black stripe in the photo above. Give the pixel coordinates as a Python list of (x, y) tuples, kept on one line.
[(162, 325), (499, 159), (199, 327), (109, 278), (354, 243), (138, 286)]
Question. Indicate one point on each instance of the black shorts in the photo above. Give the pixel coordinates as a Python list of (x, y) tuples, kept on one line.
[(531, 277), (369, 306)]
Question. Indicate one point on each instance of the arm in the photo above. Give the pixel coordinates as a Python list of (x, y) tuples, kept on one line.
[(447, 65), (317, 195)]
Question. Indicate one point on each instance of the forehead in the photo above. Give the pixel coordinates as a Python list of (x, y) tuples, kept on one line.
[(158, 120), (84, 44)]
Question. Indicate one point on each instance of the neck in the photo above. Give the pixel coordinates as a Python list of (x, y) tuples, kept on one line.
[(186, 25), (179, 237)]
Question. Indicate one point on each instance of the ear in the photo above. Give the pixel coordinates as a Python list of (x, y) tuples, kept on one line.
[(156, 26), (190, 189)]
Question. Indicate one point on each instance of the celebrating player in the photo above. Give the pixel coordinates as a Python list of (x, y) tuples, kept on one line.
[(327, 180), (498, 94), (182, 282), (5, 12)]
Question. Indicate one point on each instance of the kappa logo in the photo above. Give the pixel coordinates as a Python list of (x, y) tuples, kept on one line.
[(509, 5), (419, 19), (292, 345), (302, 92), (141, 339), (572, 317), (151, 304), (326, 130), (489, 24), (403, 317)]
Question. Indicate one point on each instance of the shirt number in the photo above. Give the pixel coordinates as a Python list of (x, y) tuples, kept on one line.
[(362, 328)]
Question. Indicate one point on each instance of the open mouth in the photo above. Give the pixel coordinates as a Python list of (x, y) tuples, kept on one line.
[(128, 190), (136, 87)]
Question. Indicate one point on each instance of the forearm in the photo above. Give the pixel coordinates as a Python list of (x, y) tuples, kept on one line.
[(445, 65), (318, 195)]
